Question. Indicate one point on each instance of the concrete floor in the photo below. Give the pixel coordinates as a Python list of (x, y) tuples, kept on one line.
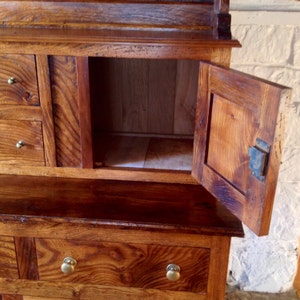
[(235, 294)]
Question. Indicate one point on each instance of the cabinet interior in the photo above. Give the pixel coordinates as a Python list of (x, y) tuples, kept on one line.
[(143, 112)]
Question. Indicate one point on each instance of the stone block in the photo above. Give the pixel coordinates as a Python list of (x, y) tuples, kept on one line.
[(296, 47), (261, 44), (289, 170)]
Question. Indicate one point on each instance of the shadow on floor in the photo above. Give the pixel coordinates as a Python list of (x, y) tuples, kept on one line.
[(236, 294)]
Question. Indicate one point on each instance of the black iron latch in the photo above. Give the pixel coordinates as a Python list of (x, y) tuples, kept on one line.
[(259, 156)]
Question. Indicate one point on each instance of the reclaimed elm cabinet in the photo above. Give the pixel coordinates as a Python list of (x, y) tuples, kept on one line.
[(130, 153)]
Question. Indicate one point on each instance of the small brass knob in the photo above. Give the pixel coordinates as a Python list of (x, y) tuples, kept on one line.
[(68, 265), (20, 144), (173, 272), (11, 80)]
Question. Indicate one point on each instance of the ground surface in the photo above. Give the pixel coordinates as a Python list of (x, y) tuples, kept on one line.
[(234, 294)]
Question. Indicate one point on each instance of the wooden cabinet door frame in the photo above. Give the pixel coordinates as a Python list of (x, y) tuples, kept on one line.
[(238, 141)]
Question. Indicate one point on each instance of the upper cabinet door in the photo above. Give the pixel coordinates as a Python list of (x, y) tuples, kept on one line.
[(238, 141)]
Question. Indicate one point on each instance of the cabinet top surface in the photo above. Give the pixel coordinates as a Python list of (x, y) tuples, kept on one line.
[(162, 207)]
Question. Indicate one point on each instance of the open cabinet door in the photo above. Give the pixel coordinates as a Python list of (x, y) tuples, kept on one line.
[(238, 141)]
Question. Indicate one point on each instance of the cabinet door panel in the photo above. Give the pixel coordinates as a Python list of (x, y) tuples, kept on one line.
[(238, 141)]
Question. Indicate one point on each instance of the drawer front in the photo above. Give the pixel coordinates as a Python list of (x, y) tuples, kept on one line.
[(18, 80), (8, 262), (21, 142), (131, 265)]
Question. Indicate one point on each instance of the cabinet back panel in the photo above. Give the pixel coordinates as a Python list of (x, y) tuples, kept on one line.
[(143, 96)]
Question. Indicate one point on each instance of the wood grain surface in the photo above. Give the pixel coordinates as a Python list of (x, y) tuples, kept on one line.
[(8, 261), (64, 90), (23, 69), (135, 265), (30, 132)]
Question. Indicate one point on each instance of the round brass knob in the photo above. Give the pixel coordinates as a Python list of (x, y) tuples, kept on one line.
[(20, 144), (68, 265), (11, 80), (173, 272)]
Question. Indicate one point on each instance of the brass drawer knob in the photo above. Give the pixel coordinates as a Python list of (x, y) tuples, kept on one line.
[(20, 144), (68, 265), (11, 80), (173, 272)]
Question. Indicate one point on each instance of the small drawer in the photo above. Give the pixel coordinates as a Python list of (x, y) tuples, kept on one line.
[(131, 265), (8, 262), (21, 142), (18, 80)]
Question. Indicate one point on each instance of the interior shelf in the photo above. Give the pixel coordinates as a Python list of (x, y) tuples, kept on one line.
[(148, 152)]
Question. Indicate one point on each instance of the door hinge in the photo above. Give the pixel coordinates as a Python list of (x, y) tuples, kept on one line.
[(259, 156)]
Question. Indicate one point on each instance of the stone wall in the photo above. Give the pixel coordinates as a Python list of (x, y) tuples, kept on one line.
[(269, 31)]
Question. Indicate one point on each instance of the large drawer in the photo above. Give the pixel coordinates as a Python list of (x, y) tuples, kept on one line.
[(21, 142), (18, 80), (118, 264)]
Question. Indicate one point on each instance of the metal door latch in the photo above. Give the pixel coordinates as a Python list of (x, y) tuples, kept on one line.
[(259, 156)]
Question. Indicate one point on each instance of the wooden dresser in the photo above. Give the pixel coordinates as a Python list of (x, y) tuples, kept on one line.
[(130, 154)]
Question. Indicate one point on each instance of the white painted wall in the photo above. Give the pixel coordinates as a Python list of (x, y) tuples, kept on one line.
[(269, 31)]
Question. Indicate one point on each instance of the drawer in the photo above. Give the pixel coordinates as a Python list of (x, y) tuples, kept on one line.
[(18, 80), (129, 265), (21, 142), (8, 262)]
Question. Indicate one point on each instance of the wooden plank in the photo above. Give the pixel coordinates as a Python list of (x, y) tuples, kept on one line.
[(122, 151), (218, 268), (162, 207), (47, 109), (172, 154), (88, 292), (84, 107), (11, 297), (186, 96), (31, 153), (106, 14), (111, 43), (63, 72), (252, 109), (162, 176), (133, 95), (27, 258), (123, 264), (8, 261), (23, 91), (13, 112), (161, 96)]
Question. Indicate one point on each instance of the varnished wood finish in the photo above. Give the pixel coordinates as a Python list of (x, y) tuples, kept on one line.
[(133, 95), (162, 176), (12, 297), (235, 117), (87, 292), (120, 264), (65, 112), (47, 109), (113, 43), (30, 132), (119, 203), (105, 14), (8, 261), (24, 91), (128, 68), (84, 111), (27, 258)]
